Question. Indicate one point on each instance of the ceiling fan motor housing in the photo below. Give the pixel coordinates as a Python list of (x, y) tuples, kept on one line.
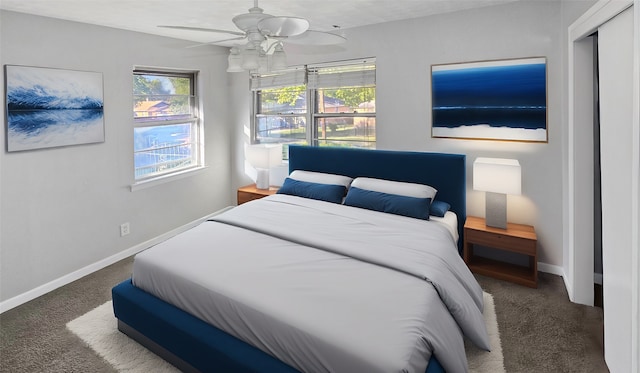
[(248, 22)]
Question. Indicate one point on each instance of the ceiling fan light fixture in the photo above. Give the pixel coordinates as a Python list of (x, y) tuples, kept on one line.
[(279, 58), (263, 62), (250, 59), (235, 61)]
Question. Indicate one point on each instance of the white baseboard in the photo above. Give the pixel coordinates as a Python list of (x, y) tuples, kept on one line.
[(75, 275), (557, 270), (550, 268), (569, 286)]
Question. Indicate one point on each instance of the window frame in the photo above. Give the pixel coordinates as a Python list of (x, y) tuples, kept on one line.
[(316, 116), (255, 114), (312, 115), (194, 119)]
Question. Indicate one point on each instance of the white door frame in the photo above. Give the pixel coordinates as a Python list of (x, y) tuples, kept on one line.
[(635, 198), (578, 217)]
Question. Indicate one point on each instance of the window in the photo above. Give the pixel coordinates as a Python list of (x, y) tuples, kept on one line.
[(345, 104), (166, 131), (320, 105), (280, 108)]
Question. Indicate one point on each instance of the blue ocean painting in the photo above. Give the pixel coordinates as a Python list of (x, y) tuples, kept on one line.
[(53, 107), (505, 100)]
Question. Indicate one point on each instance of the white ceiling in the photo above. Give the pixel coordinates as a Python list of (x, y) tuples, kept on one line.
[(146, 15)]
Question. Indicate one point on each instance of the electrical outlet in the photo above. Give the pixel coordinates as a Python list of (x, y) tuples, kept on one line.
[(124, 229)]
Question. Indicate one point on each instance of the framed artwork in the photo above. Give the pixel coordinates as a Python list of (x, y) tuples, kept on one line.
[(490, 100), (52, 107)]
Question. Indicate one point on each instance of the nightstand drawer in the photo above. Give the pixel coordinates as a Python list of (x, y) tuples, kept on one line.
[(250, 192), (517, 238), (501, 241), (244, 197)]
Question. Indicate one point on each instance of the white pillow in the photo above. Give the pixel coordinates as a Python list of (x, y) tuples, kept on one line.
[(395, 187), (321, 178)]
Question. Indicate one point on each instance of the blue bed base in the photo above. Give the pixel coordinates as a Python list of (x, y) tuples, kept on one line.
[(195, 346), (189, 343)]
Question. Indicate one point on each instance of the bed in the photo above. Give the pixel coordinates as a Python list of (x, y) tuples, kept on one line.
[(171, 316)]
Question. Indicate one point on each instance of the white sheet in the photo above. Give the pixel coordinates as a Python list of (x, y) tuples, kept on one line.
[(449, 220), (316, 310)]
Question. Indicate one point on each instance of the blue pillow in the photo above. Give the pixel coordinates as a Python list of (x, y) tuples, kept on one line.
[(390, 203), (439, 208), (322, 192)]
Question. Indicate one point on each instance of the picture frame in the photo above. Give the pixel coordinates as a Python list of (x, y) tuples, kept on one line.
[(490, 100), (48, 107)]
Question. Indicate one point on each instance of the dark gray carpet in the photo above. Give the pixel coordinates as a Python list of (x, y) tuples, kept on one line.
[(541, 330)]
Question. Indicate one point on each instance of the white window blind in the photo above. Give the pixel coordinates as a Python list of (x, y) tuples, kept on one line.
[(357, 74), (279, 79), (328, 104)]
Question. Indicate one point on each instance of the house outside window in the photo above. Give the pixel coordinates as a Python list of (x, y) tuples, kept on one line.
[(167, 128), (319, 105)]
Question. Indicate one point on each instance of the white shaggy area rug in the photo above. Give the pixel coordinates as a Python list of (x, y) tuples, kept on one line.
[(98, 329)]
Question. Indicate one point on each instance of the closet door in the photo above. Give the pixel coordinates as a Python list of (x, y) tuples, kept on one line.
[(615, 57)]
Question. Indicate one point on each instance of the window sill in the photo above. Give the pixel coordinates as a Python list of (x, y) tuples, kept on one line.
[(166, 178)]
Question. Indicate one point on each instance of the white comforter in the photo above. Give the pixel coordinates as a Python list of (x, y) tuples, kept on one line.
[(324, 287)]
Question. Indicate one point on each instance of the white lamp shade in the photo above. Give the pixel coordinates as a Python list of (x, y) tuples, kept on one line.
[(264, 156), (497, 175)]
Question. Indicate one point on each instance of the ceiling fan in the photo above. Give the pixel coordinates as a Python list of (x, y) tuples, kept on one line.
[(265, 35)]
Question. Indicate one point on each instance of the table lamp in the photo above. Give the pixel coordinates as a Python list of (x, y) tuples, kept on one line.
[(263, 157), (497, 177)]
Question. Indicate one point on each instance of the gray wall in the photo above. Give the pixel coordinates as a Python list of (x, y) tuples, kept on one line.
[(62, 208), (405, 51)]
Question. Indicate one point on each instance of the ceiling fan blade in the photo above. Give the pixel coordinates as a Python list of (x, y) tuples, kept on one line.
[(282, 26), (226, 40), (223, 41), (203, 29), (312, 37)]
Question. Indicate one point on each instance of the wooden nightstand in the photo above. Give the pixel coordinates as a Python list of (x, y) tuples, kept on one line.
[(250, 192), (516, 238)]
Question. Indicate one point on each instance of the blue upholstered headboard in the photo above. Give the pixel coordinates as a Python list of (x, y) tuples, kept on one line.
[(445, 172)]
